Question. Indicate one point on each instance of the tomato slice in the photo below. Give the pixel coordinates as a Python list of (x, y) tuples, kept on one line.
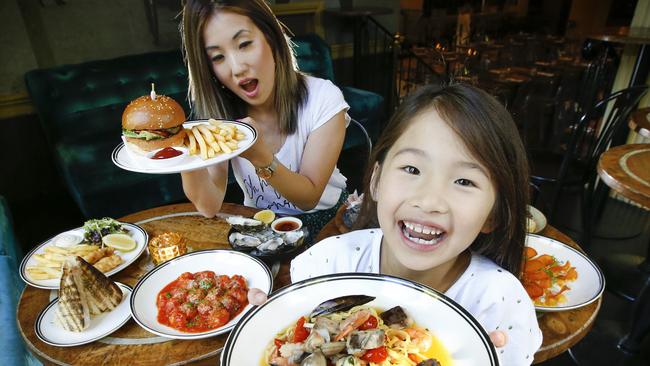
[(371, 323), (300, 333), (278, 343), (375, 355)]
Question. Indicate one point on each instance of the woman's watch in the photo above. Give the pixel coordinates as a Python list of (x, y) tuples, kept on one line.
[(267, 172)]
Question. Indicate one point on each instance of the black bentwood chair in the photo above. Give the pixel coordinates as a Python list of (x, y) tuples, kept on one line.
[(576, 165)]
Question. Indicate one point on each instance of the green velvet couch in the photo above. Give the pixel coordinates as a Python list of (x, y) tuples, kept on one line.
[(80, 108)]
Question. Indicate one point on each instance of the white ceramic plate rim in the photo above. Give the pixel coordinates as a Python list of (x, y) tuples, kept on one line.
[(587, 263), (211, 333), (122, 159), (538, 217), (225, 359), (53, 284), (42, 328)]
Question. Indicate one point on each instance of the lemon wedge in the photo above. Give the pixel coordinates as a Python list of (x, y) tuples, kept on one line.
[(266, 216), (121, 242)]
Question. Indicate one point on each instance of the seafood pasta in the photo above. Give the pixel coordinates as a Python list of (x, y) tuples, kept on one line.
[(201, 301), (357, 337)]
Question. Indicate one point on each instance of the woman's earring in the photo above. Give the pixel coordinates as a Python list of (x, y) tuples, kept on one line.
[(223, 87)]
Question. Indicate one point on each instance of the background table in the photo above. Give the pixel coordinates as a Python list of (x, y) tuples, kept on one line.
[(131, 344), (561, 329), (626, 169)]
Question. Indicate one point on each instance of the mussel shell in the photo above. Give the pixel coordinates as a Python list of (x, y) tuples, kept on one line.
[(342, 303)]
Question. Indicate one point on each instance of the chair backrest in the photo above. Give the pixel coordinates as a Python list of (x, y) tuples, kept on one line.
[(353, 165), (313, 56)]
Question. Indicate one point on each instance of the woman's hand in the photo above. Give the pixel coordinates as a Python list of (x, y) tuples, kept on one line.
[(259, 154), (258, 297)]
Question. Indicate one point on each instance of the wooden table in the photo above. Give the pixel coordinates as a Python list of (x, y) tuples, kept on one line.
[(626, 169), (640, 122), (131, 344), (561, 330)]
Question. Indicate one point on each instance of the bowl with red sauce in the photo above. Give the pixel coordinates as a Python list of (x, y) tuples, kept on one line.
[(199, 294), (168, 156), (286, 224)]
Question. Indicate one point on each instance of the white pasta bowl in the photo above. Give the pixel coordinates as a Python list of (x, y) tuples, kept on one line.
[(221, 262), (460, 334)]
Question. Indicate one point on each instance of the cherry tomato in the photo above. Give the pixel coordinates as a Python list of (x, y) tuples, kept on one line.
[(278, 343), (300, 333), (375, 355), (371, 323)]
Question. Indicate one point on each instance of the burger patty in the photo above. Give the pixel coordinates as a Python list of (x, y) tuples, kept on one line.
[(152, 134)]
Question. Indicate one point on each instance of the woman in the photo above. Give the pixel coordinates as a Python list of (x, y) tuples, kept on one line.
[(241, 66)]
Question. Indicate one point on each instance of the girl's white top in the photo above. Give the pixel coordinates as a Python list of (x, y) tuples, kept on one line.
[(491, 294)]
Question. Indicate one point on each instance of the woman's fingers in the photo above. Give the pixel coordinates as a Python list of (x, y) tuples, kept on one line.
[(256, 296), (498, 338)]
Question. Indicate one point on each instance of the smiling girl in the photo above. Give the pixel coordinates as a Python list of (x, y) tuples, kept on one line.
[(448, 190), (241, 65)]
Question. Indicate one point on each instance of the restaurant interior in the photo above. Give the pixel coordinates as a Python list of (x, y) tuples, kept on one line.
[(572, 73)]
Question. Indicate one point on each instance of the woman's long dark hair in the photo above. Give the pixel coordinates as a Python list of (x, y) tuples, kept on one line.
[(207, 97), (491, 136)]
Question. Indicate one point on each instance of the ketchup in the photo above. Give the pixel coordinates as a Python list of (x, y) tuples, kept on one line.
[(166, 153)]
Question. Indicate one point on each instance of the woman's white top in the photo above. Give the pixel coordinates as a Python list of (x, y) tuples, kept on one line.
[(324, 100)]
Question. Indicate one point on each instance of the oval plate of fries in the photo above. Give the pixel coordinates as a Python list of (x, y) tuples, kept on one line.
[(42, 266), (207, 142)]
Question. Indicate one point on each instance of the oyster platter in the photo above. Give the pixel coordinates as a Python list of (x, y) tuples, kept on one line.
[(261, 240)]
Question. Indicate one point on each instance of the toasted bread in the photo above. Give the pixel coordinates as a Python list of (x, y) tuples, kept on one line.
[(101, 293), (84, 291), (71, 312)]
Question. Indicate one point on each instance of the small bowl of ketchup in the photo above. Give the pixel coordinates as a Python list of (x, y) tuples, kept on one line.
[(286, 224), (167, 156)]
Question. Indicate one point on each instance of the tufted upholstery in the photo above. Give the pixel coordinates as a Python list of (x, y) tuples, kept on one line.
[(11, 344), (80, 108), (314, 57)]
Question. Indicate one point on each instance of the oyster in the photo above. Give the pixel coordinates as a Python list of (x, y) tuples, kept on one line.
[(342, 303), (293, 238), (271, 245), (243, 240), (243, 224)]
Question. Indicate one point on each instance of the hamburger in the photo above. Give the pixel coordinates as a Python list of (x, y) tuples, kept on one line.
[(152, 122)]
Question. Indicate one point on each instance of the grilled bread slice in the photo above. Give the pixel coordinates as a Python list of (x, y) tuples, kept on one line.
[(101, 293), (72, 312)]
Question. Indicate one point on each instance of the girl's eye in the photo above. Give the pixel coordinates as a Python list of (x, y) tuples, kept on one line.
[(217, 58), (411, 170), (245, 44), (465, 182)]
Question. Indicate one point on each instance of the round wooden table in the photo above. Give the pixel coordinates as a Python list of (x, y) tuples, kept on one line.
[(626, 169), (131, 344), (561, 329), (640, 122)]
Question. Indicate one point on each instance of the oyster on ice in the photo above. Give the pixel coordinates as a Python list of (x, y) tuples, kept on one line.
[(244, 224)]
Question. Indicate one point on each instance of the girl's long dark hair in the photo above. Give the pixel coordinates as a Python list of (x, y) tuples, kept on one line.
[(491, 136)]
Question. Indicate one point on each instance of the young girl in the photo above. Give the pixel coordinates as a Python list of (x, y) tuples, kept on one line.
[(448, 189), (241, 66)]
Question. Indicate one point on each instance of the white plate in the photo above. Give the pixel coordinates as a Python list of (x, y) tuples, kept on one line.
[(124, 160), (538, 217), (100, 326), (590, 282), (221, 262), (137, 233), (454, 327)]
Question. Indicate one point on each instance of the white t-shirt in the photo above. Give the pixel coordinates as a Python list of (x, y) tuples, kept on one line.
[(324, 100), (491, 294)]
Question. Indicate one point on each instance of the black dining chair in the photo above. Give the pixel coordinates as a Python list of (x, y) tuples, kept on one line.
[(575, 164), (353, 161)]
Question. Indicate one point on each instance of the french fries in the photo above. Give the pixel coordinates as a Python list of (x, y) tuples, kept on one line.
[(48, 264), (209, 140)]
